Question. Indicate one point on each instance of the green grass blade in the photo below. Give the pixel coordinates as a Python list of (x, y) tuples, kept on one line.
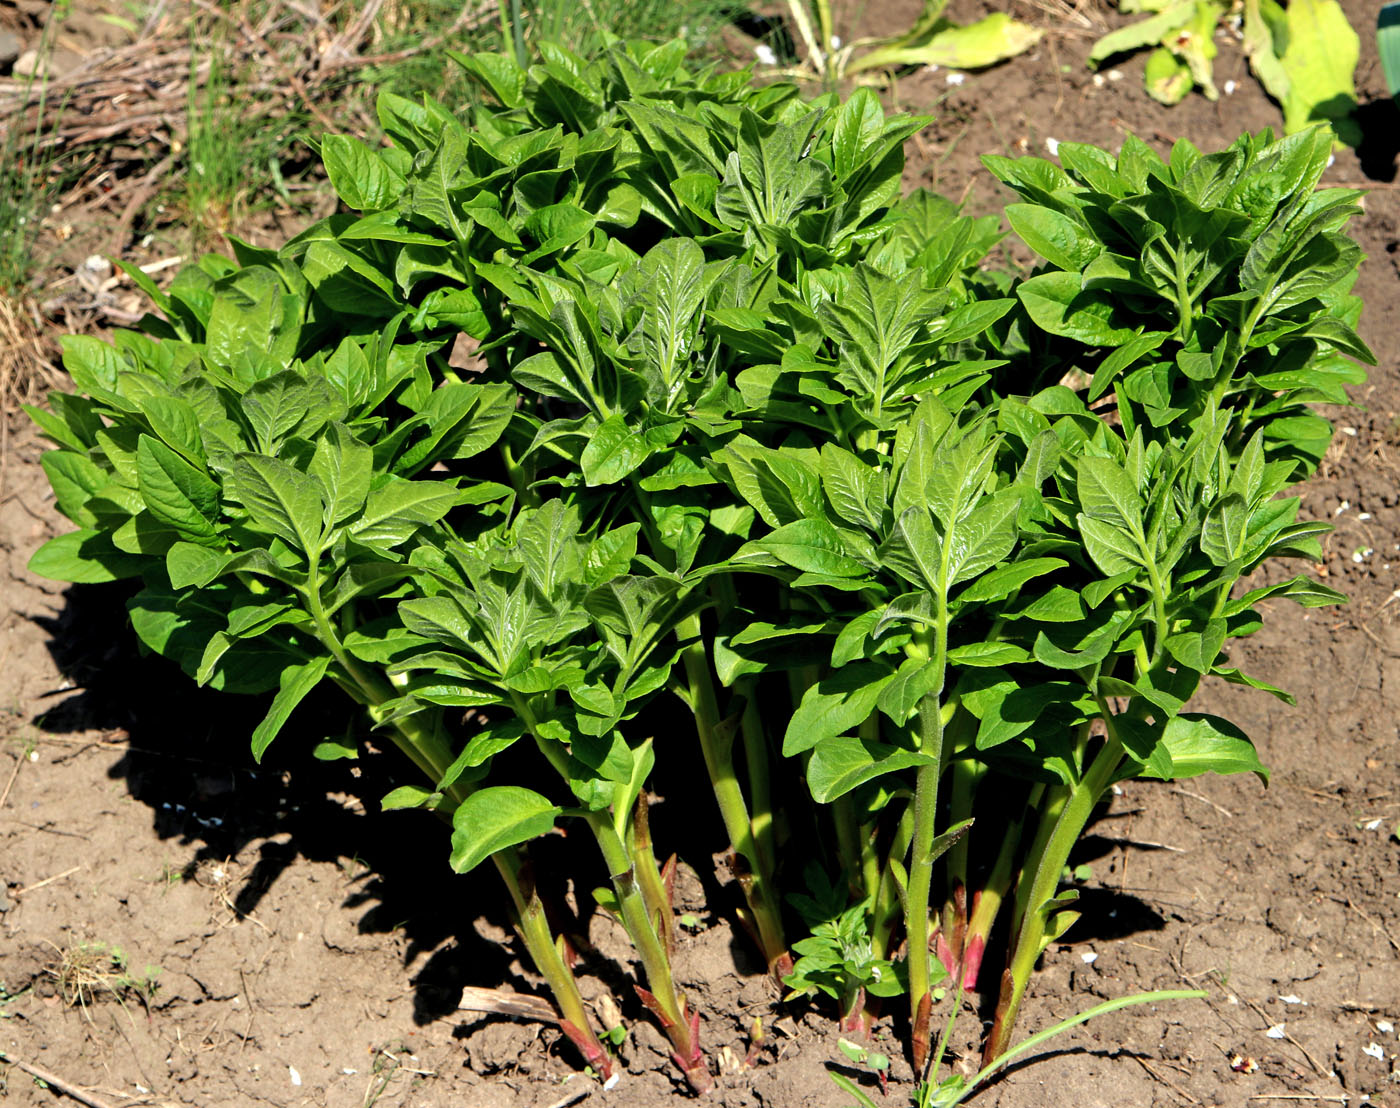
[(1083, 1017)]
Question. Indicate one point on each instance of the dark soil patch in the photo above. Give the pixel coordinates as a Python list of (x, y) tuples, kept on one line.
[(311, 951)]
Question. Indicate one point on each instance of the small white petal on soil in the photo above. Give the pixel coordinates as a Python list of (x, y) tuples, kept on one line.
[(292, 1073), (1276, 1031), (1375, 1050), (956, 78), (1089, 957), (1291, 999), (764, 53), (1052, 145), (1385, 1027)]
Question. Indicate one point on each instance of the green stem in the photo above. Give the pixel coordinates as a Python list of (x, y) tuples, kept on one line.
[(1048, 866), (887, 901), (717, 747), (429, 751), (755, 740), (989, 899), (843, 815), (916, 921), (658, 896)]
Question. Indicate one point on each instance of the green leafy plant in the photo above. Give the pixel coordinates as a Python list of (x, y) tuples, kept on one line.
[(1304, 53), (838, 958), (743, 452), (933, 39)]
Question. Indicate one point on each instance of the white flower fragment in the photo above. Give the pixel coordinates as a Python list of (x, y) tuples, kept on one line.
[(1374, 1050), (1385, 1027), (1053, 145), (836, 42), (956, 78), (1277, 1031), (1372, 825), (611, 1083), (1230, 87), (296, 1077), (1344, 506), (1089, 957), (1291, 999), (764, 53)]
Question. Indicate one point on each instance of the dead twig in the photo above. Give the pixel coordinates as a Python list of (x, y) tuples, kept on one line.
[(53, 1081), (1204, 800), (573, 1097), (1163, 1079), (47, 881), (4, 796)]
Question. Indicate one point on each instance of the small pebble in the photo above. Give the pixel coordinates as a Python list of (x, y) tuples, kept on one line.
[(1088, 957), (956, 78), (1291, 999), (296, 1077), (1385, 1027), (1230, 87)]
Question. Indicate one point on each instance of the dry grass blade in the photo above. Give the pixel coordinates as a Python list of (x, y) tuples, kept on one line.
[(505, 1003)]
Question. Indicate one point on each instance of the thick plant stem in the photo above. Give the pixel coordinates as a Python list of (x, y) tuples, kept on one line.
[(544, 952), (987, 901), (430, 753), (655, 886), (681, 1027), (756, 761), (668, 1006), (916, 921), (717, 746), (887, 903), (1046, 866)]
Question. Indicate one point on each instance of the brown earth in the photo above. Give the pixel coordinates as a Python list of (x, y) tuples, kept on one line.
[(311, 951)]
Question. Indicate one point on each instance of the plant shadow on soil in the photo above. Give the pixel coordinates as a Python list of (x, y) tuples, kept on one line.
[(188, 761), (1379, 121)]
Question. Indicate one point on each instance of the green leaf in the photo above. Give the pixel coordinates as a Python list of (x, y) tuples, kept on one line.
[(983, 654), (845, 762), (292, 688), (1388, 41), (813, 546), (1320, 61), (408, 796), (1059, 303), (1199, 743), (991, 39), (1146, 32), (497, 817), (836, 704), (280, 500), (176, 493), (360, 177), (85, 558), (343, 465), (1056, 237), (1166, 77)]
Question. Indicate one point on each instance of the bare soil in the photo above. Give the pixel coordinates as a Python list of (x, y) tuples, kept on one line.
[(311, 951)]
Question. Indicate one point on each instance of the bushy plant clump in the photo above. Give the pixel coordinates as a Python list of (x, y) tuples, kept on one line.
[(921, 554)]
